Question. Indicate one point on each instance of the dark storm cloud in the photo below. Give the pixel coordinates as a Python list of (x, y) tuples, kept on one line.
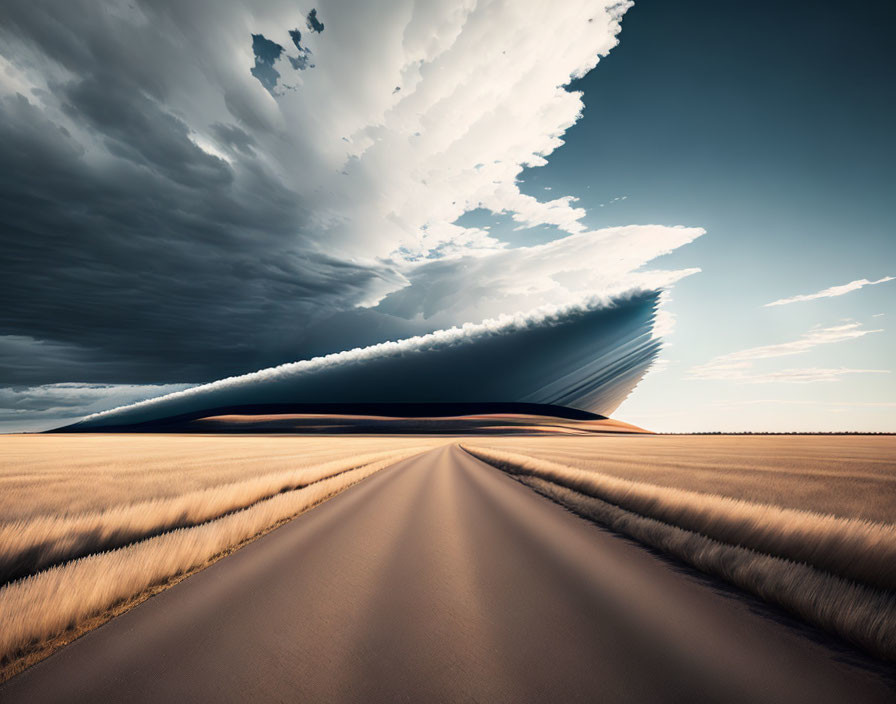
[(164, 260), (48, 406), (26, 360), (233, 137), (136, 129), (152, 261)]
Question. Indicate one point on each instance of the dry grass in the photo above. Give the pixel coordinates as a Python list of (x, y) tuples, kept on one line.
[(857, 613), (28, 545), (163, 537), (852, 548), (851, 477), (835, 572), (73, 474)]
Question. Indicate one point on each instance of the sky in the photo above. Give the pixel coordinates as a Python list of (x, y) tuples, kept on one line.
[(191, 191), (773, 131)]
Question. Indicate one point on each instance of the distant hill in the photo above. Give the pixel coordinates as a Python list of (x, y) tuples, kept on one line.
[(387, 418)]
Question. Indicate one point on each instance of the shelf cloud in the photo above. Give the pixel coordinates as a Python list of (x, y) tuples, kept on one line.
[(588, 357)]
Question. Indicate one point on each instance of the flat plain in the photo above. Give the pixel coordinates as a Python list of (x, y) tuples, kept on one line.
[(92, 523), (91, 526), (803, 522), (853, 476)]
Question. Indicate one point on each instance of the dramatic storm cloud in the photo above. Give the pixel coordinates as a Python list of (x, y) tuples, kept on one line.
[(195, 190), (587, 357)]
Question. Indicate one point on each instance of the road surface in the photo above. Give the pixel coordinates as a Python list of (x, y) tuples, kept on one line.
[(442, 579)]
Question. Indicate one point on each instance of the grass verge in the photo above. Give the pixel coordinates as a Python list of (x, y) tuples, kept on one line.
[(858, 612), (29, 545), (47, 610)]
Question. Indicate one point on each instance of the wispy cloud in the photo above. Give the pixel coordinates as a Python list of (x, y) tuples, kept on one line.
[(808, 375), (813, 338), (831, 292), (738, 366)]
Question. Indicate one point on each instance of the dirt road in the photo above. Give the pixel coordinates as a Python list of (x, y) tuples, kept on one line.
[(441, 579)]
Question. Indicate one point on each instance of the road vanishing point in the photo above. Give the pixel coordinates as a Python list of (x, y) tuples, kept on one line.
[(441, 579)]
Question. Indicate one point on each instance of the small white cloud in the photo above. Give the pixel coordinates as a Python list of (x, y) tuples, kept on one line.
[(831, 292)]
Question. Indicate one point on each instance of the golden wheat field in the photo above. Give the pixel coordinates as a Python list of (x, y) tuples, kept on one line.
[(56, 474), (88, 523), (848, 476), (804, 522)]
